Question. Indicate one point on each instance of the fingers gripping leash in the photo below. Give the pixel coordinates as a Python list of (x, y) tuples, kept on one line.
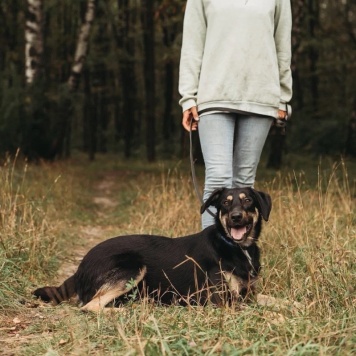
[(281, 123)]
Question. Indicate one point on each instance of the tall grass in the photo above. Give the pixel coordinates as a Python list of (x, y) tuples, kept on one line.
[(310, 246), (33, 212), (308, 254)]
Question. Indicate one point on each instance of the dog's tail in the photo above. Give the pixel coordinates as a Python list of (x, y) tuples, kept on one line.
[(57, 295)]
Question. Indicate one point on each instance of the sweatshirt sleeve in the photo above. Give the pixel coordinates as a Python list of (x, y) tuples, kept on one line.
[(282, 37), (194, 32)]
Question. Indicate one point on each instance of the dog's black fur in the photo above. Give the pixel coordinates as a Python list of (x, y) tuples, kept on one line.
[(210, 265)]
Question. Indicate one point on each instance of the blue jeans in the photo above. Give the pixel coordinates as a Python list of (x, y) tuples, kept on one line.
[(232, 145)]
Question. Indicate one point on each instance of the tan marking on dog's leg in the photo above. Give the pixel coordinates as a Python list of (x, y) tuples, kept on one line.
[(105, 295), (235, 283), (108, 292)]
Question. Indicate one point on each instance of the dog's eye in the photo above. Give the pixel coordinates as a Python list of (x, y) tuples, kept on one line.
[(226, 202), (248, 200)]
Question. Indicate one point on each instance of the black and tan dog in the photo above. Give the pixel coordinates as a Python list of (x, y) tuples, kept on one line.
[(220, 263)]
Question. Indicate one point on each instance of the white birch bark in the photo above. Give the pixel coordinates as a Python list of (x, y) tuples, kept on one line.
[(82, 46), (34, 39)]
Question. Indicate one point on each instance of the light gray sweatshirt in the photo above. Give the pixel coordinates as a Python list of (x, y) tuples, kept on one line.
[(236, 56)]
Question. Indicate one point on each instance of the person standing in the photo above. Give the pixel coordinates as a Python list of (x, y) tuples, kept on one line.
[(234, 80)]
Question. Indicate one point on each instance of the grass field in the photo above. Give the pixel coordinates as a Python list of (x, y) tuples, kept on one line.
[(50, 214)]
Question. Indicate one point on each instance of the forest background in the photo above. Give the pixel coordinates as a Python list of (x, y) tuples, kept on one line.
[(97, 80), (101, 76)]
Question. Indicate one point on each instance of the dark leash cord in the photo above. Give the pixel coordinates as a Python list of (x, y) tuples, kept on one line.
[(282, 123), (192, 168)]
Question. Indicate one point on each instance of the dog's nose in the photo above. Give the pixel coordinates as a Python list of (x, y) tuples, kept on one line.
[(236, 217)]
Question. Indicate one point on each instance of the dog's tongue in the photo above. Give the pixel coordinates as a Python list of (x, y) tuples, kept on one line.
[(238, 233)]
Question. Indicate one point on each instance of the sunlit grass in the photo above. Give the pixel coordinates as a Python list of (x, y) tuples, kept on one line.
[(308, 255), (34, 204)]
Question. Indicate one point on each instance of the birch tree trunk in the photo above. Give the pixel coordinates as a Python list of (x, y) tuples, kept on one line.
[(82, 46), (34, 40), (73, 81)]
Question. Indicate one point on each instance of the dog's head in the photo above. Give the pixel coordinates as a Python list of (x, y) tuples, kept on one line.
[(239, 213)]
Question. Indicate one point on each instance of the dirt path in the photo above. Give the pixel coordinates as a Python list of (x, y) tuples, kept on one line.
[(91, 235), (106, 198)]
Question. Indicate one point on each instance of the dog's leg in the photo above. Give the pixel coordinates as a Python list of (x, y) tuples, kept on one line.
[(218, 293), (239, 288), (110, 291), (235, 284)]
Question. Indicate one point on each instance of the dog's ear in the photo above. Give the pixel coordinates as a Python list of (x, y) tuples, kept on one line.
[(264, 203), (211, 200)]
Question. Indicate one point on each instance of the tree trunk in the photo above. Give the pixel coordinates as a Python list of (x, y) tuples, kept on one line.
[(298, 9), (126, 42), (170, 15), (82, 46), (90, 117), (100, 106), (73, 81), (34, 40), (168, 122), (99, 81), (313, 53), (149, 74), (36, 140)]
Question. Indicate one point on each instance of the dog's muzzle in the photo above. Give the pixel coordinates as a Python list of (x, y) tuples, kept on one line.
[(238, 227)]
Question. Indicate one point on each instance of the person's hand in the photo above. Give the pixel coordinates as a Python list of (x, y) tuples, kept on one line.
[(281, 122), (188, 116), (282, 114)]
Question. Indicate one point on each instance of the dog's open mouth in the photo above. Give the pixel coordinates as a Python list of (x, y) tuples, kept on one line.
[(238, 233)]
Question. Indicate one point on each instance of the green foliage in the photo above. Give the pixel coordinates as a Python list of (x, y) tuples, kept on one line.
[(11, 112), (108, 111), (325, 73)]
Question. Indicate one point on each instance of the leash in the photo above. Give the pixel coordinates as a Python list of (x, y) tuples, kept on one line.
[(192, 168), (252, 272), (282, 123)]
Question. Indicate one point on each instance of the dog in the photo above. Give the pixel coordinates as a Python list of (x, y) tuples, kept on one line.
[(220, 264)]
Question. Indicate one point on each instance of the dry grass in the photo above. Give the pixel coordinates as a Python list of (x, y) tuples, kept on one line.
[(29, 224), (308, 250)]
